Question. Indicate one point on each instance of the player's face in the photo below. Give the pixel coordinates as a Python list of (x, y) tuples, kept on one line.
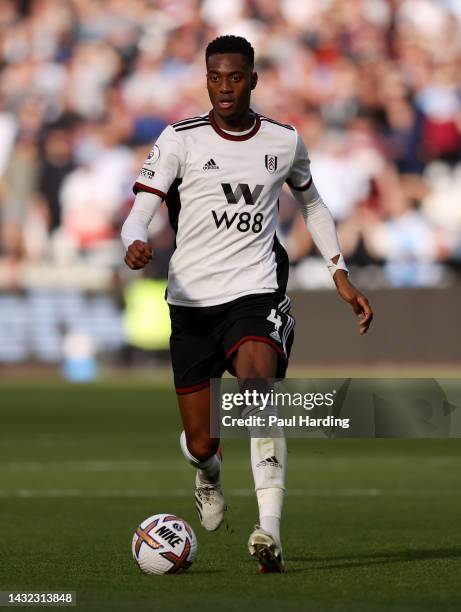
[(230, 80)]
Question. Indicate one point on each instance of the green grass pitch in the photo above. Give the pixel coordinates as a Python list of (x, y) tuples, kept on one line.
[(369, 524)]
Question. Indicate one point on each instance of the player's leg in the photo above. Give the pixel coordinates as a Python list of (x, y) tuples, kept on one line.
[(196, 357), (196, 443), (255, 359), (257, 346), (202, 452), (255, 363)]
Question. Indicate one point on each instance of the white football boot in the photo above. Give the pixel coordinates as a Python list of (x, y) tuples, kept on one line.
[(209, 501), (210, 504), (263, 546)]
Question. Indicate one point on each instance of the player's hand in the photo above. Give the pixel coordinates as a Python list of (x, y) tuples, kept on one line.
[(357, 300), (138, 255)]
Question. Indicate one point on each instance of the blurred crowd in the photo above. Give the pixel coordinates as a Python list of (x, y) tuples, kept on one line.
[(374, 86)]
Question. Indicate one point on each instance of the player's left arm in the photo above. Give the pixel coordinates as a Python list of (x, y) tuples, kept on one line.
[(323, 231)]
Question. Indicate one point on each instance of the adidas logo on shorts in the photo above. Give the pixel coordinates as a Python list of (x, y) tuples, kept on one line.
[(270, 461), (275, 335), (211, 165)]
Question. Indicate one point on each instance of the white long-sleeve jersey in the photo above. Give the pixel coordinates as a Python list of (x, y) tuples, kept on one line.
[(222, 192)]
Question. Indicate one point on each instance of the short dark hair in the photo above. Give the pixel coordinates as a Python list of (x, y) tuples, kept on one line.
[(231, 44)]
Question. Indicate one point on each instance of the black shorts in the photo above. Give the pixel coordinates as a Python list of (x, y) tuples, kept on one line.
[(204, 340)]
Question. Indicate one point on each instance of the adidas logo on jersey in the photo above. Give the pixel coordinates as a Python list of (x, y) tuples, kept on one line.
[(211, 165), (270, 461), (275, 335)]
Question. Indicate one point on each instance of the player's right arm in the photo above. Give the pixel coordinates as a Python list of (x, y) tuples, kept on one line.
[(163, 165), (134, 230)]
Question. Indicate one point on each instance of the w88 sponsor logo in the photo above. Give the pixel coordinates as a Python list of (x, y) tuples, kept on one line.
[(243, 222)]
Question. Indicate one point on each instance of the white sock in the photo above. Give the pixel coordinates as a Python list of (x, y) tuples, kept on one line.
[(269, 477), (268, 463), (271, 524), (209, 470)]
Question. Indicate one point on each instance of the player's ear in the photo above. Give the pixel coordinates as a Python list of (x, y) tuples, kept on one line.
[(254, 79)]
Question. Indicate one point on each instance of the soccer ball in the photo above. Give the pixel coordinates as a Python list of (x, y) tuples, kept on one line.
[(164, 544)]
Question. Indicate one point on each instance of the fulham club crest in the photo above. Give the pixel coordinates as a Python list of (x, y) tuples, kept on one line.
[(270, 162)]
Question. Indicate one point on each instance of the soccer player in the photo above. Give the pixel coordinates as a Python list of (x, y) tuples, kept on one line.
[(220, 175)]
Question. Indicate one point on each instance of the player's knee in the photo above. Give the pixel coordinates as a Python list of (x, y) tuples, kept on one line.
[(256, 360), (202, 448)]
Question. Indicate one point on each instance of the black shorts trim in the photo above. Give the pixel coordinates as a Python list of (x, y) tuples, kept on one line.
[(193, 388), (244, 339)]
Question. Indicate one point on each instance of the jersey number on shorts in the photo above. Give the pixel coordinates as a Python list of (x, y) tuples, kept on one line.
[(275, 319)]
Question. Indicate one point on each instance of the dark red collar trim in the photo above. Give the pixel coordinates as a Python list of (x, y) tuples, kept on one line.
[(227, 136)]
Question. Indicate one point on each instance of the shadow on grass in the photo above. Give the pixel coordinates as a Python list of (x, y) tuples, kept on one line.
[(203, 571), (374, 558)]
